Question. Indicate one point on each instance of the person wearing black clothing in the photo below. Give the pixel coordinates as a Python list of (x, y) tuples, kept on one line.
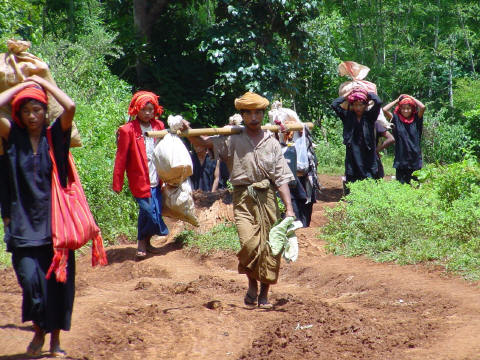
[(208, 174), (297, 191), (47, 303), (407, 120), (359, 133)]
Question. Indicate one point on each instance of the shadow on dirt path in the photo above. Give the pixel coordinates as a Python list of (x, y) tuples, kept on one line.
[(182, 305)]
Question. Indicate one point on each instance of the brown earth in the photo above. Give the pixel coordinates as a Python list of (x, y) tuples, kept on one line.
[(182, 305)]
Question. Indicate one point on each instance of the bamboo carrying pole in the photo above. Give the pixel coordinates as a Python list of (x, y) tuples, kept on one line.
[(228, 130)]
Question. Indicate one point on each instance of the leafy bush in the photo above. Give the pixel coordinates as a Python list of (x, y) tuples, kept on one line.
[(452, 182), (389, 221), (444, 142), (330, 150)]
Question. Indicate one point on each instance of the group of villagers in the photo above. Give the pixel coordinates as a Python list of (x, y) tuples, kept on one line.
[(362, 129), (255, 160)]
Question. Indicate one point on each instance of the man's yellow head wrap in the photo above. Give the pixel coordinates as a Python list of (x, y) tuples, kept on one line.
[(251, 101)]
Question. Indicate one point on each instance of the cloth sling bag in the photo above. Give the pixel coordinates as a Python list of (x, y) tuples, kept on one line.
[(72, 222)]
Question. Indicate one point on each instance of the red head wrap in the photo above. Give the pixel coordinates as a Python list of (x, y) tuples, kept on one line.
[(142, 98), (358, 94), (32, 92), (406, 100)]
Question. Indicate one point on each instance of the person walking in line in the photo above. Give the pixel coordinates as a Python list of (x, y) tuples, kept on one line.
[(28, 233), (135, 156), (359, 133), (407, 120), (257, 167)]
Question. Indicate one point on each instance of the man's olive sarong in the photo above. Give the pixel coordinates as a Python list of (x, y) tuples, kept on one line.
[(255, 210)]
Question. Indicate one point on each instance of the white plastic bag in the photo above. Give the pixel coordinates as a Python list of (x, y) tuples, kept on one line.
[(177, 202), (290, 252), (172, 160), (302, 152)]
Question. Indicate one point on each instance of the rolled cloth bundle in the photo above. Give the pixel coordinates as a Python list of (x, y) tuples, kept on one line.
[(251, 101)]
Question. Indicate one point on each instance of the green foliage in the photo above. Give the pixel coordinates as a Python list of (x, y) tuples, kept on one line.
[(80, 69), (222, 237), (467, 94), (443, 141), (330, 150), (5, 258), (389, 221), (451, 182)]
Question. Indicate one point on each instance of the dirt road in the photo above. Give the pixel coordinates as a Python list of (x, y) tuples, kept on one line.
[(181, 305)]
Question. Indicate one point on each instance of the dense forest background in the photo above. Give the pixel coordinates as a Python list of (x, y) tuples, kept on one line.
[(198, 55)]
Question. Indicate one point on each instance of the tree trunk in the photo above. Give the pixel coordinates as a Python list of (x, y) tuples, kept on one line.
[(435, 44), (145, 14), (465, 34)]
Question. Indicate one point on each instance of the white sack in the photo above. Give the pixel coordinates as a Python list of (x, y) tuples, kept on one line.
[(172, 160), (177, 203)]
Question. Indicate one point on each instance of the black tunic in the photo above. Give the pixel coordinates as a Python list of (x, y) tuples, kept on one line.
[(408, 153), (203, 174), (359, 139), (28, 236), (30, 185)]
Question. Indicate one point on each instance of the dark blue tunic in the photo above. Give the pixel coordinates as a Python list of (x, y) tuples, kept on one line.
[(28, 236), (204, 174)]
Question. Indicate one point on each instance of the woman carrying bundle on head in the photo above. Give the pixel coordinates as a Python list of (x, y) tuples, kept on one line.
[(359, 133), (28, 226), (135, 156), (407, 120)]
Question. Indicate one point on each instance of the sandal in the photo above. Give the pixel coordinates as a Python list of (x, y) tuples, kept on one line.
[(249, 299), (35, 348), (57, 352), (141, 250), (153, 250), (141, 255), (265, 304)]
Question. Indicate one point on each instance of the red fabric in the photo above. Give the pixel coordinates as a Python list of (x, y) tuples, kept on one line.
[(358, 94), (72, 222), (406, 100), (142, 98), (31, 92), (132, 157)]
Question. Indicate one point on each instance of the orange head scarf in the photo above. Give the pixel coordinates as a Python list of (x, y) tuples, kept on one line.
[(31, 92), (251, 101), (406, 100), (142, 98)]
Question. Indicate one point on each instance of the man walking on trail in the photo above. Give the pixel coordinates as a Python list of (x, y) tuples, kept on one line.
[(257, 166)]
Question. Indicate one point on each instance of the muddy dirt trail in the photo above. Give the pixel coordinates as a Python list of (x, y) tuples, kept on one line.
[(181, 305)]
